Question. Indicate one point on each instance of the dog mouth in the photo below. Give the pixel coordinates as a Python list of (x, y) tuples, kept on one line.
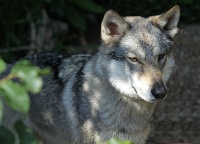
[(134, 89), (152, 100)]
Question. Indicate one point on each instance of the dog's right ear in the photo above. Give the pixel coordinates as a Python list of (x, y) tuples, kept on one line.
[(113, 27)]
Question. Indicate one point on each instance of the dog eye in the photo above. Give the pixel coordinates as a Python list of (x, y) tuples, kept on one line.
[(161, 56), (134, 59)]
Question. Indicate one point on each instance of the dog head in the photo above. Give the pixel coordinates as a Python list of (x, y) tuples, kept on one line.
[(138, 52)]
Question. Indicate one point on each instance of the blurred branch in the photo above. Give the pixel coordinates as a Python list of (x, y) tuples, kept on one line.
[(4, 50), (41, 34)]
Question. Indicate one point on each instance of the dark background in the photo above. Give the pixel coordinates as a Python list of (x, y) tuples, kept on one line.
[(73, 26)]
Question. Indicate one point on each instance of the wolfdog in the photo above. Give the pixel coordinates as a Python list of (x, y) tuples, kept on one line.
[(91, 98)]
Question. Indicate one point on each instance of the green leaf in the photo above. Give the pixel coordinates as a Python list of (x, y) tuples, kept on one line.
[(24, 69), (1, 109), (15, 96), (75, 18), (185, 1), (6, 137), (25, 134), (88, 5), (48, 1), (33, 84), (58, 8), (2, 65), (115, 141), (29, 75), (45, 71)]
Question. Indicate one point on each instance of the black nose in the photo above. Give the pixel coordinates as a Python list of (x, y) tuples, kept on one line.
[(159, 90)]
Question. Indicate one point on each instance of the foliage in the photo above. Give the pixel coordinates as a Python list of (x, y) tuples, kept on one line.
[(25, 134), (189, 8), (6, 137), (74, 11), (115, 141), (14, 88), (15, 94), (14, 25), (81, 16)]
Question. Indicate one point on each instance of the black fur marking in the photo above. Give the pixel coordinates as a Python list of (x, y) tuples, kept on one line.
[(114, 56), (122, 130), (80, 101)]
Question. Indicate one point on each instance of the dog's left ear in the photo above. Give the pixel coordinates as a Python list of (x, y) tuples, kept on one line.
[(113, 27), (168, 21)]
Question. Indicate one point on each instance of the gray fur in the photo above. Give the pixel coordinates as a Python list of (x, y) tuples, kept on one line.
[(90, 98)]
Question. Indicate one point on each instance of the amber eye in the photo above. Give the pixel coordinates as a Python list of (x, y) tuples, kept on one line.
[(134, 59), (161, 56)]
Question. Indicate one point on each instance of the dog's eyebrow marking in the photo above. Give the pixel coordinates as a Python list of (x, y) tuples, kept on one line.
[(136, 53), (116, 56)]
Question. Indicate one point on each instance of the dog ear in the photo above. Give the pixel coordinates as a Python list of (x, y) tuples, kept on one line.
[(168, 21), (113, 27)]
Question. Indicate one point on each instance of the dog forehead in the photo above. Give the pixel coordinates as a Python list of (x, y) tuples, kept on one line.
[(143, 30), (143, 37), (134, 19)]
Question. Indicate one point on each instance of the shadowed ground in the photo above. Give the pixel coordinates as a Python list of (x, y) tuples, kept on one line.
[(177, 119)]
